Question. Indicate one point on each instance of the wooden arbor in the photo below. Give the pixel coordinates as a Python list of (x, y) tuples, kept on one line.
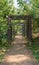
[(20, 17)]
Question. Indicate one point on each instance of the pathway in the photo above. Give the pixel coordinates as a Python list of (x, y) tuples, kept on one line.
[(19, 54)]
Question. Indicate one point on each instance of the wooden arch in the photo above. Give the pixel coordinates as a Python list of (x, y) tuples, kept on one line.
[(20, 17)]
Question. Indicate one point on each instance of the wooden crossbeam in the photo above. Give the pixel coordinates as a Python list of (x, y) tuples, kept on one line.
[(19, 17)]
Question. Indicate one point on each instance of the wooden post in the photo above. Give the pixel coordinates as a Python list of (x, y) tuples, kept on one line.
[(23, 29), (0, 37), (29, 30), (9, 31)]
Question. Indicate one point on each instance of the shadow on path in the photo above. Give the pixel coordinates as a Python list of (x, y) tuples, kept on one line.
[(19, 54)]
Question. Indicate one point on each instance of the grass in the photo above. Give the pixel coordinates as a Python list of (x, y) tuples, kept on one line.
[(35, 48), (3, 47), (3, 50)]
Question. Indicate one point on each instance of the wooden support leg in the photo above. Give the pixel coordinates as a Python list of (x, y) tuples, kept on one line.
[(29, 30), (9, 31)]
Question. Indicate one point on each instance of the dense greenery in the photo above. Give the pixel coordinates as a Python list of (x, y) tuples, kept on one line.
[(30, 7), (35, 47), (26, 7)]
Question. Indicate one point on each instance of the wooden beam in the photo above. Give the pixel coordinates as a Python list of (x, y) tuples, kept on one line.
[(19, 17)]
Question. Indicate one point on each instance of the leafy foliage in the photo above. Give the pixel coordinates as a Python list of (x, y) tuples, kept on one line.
[(26, 7)]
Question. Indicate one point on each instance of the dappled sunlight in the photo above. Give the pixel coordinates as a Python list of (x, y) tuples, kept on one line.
[(35, 35), (19, 39), (16, 58), (18, 54)]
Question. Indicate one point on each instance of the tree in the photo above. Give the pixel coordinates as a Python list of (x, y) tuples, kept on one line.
[(6, 8), (31, 7)]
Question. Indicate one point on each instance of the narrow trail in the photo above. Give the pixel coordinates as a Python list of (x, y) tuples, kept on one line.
[(19, 54)]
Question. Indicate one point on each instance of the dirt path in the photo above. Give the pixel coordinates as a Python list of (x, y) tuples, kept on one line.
[(19, 54)]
